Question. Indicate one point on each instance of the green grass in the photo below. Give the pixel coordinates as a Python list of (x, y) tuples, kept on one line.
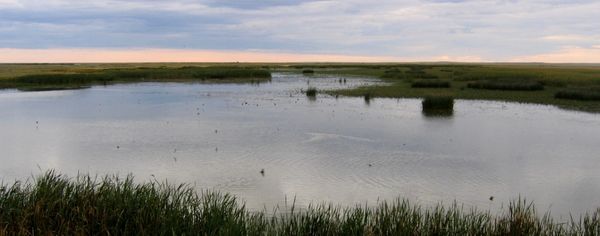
[(73, 79), (53, 204)]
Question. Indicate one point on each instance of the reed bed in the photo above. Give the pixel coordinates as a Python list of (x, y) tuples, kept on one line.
[(53, 204), (430, 84), (580, 94), (85, 79), (513, 85)]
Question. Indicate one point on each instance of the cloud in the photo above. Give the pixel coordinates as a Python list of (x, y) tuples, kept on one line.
[(572, 38), (485, 30)]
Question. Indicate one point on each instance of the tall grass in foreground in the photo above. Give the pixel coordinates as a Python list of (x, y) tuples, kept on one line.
[(55, 204)]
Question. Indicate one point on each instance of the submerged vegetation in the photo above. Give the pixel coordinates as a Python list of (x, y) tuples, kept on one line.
[(75, 79), (56, 205)]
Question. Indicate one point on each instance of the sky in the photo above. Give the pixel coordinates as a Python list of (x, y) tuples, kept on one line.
[(300, 30)]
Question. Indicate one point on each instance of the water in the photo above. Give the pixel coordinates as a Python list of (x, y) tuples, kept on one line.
[(329, 150)]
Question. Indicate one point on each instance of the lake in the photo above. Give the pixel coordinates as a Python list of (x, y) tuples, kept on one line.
[(340, 150)]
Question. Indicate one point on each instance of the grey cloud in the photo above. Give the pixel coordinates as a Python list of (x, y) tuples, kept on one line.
[(490, 29)]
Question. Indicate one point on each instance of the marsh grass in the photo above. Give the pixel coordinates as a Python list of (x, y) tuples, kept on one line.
[(394, 73), (430, 84), (582, 94), (308, 71), (409, 72), (514, 85), (53, 204), (106, 76)]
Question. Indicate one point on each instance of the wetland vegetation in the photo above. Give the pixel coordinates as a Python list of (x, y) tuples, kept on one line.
[(78, 78), (55, 204), (570, 86)]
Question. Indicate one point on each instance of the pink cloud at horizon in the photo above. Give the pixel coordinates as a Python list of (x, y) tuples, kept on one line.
[(11, 55), (82, 55)]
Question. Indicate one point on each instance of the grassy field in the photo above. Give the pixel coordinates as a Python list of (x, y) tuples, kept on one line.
[(38, 77), (53, 204), (569, 86)]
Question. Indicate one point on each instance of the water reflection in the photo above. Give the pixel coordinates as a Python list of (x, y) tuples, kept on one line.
[(442, 114)]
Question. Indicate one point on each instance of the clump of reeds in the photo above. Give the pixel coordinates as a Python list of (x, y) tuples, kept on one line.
[(53, 204), (368, 96), (438, 105), (579, 94), (438, 102), (525, 85), (311, 92), (308, 71), (431, 84)]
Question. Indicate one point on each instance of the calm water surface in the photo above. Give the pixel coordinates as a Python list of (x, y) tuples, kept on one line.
[(329, 150)]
